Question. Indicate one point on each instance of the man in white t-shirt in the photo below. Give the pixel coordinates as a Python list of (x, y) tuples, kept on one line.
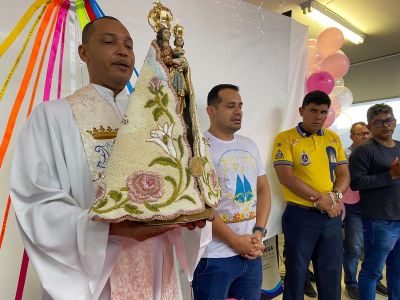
[(231, 264)]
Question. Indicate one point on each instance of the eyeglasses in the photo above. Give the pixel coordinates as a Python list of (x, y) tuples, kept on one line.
[(387, 122), (362, 134)]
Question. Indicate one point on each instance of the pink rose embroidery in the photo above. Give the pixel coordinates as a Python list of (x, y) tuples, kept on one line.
[(155, 84), (145, 187), (214, 180), (100, 191)]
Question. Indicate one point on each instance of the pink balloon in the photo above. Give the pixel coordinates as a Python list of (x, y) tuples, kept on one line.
[(330, 118), (329, 41), (321, 81), (344, 97), (351, 197), (336, 64), (312, 42)]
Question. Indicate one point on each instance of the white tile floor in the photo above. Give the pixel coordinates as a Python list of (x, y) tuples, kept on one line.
[(344, 295)]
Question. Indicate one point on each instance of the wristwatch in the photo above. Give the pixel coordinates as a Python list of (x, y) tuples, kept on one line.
[(260, 229), (339, 195)]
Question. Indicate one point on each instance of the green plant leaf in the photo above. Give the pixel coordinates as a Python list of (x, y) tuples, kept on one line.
[(151, 90), (164, 161), (164, 100), (151, 207), (124, 189), (115, 195), (180, 144), (101, 203), (172, 180), (132, 209), (187, 197), (157, 113), (188, 177), (150, 103)]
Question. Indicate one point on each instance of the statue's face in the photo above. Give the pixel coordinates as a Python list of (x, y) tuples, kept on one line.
[(166, 35), (179, 42)]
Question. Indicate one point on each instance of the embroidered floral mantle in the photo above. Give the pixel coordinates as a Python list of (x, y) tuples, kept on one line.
[(153, 175)]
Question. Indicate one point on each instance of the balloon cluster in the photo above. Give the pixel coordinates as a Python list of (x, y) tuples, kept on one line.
[(327, 65)]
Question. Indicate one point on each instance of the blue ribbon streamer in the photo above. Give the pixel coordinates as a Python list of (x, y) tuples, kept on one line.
[(95, 8)]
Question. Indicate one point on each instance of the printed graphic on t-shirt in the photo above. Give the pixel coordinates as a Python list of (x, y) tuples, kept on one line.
[(237, 165)]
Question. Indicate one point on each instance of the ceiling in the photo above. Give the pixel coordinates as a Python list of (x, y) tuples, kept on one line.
[(379, 19)]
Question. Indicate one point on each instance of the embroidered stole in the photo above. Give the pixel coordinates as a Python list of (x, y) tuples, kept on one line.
[(132, 276)]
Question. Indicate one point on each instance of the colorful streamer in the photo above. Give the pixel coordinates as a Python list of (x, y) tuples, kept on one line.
[(22, 92), (89, 10), (53, 51), (20, 25), (5, 218), (61, 14), (83, 17), (62, 52), (22, 276), (25, 82), (19, 56), (39, 71)]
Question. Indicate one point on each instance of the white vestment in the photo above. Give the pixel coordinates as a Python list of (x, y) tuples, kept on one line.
[(52, 192)]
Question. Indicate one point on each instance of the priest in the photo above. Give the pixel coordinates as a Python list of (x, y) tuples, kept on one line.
[(56, 162)]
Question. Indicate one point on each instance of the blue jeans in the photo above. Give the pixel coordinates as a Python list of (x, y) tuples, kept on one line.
[(230, 277), (311, 235), (352, 245), (381, 243)]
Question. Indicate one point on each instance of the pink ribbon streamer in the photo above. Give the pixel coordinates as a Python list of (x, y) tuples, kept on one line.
[(53, 52), (60, 68), (22, 276)]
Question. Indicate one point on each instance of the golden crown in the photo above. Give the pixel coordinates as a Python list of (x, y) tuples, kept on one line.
[(178, 30), (160, 16), (103, 133)]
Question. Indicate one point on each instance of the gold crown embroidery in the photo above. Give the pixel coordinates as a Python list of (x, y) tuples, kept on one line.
[(103, 133)]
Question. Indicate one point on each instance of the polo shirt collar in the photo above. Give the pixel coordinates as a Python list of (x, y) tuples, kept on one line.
[(305, 133)]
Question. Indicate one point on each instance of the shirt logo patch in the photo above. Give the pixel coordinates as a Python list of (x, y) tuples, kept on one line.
[(333, 141), (332, 157), (279, 155), (305, 160)]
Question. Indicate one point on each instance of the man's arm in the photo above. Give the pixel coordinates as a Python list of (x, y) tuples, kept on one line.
[(359, 165), (295, 184), (240, 243), (263, 201), (300, 188), (342, 178)]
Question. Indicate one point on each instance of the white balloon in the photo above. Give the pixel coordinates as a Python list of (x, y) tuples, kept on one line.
[(344, 97)]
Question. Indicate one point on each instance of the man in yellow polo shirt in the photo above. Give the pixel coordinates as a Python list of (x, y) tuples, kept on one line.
[(312, 168)]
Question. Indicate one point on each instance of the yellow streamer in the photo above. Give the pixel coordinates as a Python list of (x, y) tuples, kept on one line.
[(21, 52), (82, 14), (20, 25)]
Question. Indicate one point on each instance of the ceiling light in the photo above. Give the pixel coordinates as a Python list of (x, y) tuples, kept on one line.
[(328, 18)]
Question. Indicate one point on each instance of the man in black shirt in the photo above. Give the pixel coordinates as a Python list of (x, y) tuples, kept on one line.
[(375, 172)]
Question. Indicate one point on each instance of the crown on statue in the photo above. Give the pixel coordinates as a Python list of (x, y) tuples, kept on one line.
[(103, 133), (178, 30), (160, 16)]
